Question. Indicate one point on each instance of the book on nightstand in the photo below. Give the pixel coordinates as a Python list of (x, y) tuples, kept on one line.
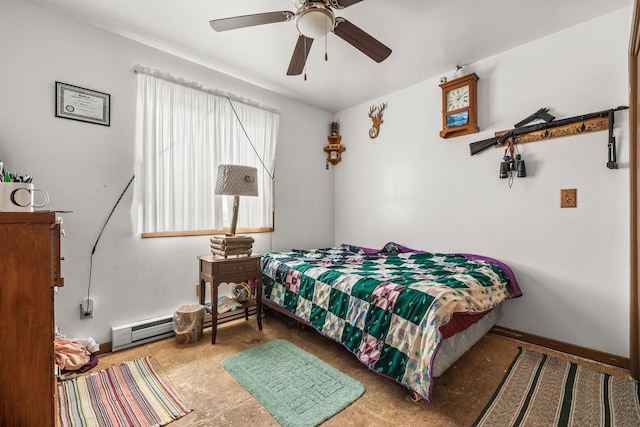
[(227, 304)]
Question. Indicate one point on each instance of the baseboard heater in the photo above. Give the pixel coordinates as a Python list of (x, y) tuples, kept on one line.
[(142, 332), (145, 331)]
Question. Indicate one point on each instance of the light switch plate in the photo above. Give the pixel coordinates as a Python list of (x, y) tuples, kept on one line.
[(568, 198)]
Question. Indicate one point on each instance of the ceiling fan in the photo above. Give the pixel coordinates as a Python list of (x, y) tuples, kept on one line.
[(314, 19)]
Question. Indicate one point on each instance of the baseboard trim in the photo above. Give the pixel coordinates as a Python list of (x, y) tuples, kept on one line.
[(105, 348), (576, 350)]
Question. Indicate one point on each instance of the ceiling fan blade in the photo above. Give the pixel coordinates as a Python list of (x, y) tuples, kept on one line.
[(235, 22), (299, 57), (341, 4), (361, 40)]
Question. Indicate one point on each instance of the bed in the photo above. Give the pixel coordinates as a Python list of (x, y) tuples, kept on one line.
[(405, 314)]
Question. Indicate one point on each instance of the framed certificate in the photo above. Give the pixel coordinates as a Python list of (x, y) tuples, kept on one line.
[(85, 105)]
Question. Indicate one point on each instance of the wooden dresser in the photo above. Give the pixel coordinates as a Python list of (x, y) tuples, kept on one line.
[(29, 270)]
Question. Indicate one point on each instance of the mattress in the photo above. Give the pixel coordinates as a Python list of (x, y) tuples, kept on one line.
[(456, 345)]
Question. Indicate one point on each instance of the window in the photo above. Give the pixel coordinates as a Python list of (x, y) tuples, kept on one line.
[(183, 132)]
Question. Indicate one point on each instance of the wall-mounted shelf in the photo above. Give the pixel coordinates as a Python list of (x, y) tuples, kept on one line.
[(334, 150)]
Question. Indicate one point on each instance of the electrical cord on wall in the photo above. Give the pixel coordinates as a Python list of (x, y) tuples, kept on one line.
[(257, 155), (93, 251), (249, 139), (95, 245)]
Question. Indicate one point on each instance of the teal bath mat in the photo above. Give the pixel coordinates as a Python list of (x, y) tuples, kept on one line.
[(297, 388)]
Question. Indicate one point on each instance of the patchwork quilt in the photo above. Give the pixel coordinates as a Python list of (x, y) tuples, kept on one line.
[(386, 306)]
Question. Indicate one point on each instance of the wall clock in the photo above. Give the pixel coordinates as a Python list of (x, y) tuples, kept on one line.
[(459, 106)]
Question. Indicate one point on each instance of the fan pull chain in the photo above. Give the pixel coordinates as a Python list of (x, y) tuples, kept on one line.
[(326, 54), (305, 59), (326, 37)]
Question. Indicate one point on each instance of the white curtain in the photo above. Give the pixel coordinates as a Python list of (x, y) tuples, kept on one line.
[(183, 132)]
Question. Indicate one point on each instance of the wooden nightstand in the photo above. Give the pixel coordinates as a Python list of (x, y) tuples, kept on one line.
[(216, 270)]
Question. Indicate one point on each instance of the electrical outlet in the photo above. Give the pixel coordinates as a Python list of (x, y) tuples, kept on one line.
[(86, 309)]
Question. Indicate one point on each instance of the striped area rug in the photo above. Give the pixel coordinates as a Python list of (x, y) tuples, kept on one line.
[(130, 394), (540, 390)]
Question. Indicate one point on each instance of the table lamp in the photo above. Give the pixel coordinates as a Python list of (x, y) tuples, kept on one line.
[(236, 181)]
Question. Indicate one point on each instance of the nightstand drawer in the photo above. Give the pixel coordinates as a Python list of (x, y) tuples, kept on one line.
[(248, 266)]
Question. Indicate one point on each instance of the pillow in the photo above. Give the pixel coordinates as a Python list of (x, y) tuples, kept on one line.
[(390, 248)]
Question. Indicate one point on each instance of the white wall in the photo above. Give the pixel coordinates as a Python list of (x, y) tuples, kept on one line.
[(85, 167), (412, 187), (408, 185)]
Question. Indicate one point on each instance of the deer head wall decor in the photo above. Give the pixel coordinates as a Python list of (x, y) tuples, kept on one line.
[(376, 117)]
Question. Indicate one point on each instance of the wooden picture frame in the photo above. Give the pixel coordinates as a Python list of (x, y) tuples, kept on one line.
[(82, 104)]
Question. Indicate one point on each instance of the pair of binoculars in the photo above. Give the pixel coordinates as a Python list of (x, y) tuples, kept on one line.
[(513, 164)]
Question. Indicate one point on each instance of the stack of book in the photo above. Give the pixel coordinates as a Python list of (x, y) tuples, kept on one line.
[(231, 245)]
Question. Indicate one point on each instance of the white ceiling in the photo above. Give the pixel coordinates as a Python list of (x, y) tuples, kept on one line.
[(428, 38)]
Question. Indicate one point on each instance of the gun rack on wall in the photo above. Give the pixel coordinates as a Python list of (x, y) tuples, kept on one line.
[(589, 125), (552, 128)]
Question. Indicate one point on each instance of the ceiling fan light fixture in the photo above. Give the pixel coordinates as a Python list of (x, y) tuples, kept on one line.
[(315, 21)]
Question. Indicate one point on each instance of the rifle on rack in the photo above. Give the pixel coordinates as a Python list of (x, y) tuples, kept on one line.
[(476, 147), (541, 114)]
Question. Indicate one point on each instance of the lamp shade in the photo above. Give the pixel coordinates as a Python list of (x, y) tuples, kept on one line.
[(237, 180)]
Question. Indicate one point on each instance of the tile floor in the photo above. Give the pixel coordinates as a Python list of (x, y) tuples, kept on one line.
[(196, 374)]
